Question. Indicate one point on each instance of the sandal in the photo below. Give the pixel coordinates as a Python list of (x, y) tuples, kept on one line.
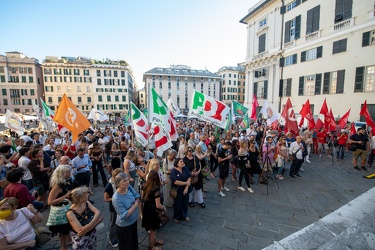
[(159, 242), (203, 205), (191, 204), (156, 248)]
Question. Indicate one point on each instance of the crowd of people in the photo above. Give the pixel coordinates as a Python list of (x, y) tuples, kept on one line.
[(41, 170)]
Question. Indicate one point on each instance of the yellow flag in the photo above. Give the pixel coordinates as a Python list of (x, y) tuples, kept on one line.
[(69, 116)]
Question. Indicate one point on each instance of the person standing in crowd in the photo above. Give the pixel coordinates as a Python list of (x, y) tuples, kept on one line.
[(223, 158), (108, 194), (82, 168), (96, 156), (244, 163), (362, 142), (38, 169), (115, 156), (12, 218), (192, 141), (213, 156), (309, 143), (341, 141), (268, 152), (194, 164), (58, 195), (142, 170), (168, 166), (296, 148), (233, 161), (322, 142), (181, 147), (151, 202), (372, 152), (180, 178), (126, 203), (129, 167), (289, 139), (23, 161), (282, 157), (70, 149), (83, 231)]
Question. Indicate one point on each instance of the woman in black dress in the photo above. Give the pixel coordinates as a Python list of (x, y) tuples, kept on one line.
[(151, 202), (253, 155), (115, 157)]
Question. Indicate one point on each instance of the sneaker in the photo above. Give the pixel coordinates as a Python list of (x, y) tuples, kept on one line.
[(320, 155), (250, 190), (291, 176), (357, 168), (298, 175), (263, 182), (308, 161), (241, 188), (221, 194), (280, 178), (364, 168), (302, 169), (113, 243), (226, 189)]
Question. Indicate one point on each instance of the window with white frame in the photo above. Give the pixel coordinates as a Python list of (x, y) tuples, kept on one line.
[(309, 85), (260, 90), (291, 6), (311, 54), (370, 79), (333, 82)]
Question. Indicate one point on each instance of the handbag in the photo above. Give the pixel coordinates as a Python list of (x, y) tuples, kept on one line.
[(173, 192), (43, 235), (163, 216), (87, 216), (294, 155), (194, 179), (57, 215), (205, 171)]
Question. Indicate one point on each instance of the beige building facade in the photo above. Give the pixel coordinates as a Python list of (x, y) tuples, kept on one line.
[(317, 50), (179, 82), (232, 85), (142, 99), (21, 82), (107, 86)]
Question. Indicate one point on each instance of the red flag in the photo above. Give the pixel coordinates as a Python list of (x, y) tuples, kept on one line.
[(307, 113), (352, 129), (364, 112), (330, 122), (324, 110), (344, 119), (255, 104), (301, 121), (289, 116), (319, 124)]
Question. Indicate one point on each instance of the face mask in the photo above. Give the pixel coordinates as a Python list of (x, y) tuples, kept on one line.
[(5, 214)]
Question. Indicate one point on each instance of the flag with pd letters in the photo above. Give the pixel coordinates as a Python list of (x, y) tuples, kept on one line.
[(140, 124), (159, 113), (69, 116), (209, 109)]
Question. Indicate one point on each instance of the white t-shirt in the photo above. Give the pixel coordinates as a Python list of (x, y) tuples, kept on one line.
[(22, 163), (18, 230)]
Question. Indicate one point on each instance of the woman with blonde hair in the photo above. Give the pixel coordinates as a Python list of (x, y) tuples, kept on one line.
[(154, 164), (83, 217), (58, 195), (129, 166), (12, 218)]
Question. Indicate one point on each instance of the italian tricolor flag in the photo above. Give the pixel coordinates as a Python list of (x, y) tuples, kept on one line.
[(140, 125)]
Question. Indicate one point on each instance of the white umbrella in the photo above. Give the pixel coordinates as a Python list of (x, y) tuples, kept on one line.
[(181, 116)]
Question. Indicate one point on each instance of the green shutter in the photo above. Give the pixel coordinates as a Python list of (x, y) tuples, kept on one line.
[(366, 39), (319, 52), (359, 74), (340, 81), (326, 83), (318, 84), (298, 28), (301, 85), (281, 85)]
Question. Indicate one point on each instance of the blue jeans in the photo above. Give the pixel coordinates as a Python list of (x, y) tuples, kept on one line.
[(340, 151), (280, 165)]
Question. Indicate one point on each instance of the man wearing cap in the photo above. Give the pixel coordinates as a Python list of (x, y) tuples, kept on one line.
[(341, 141), (363, 146)]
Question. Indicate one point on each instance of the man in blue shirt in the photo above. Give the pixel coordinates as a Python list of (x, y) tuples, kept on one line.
[(82, 168)]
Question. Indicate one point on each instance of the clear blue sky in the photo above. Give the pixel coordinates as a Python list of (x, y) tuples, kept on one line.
[(147, 34)]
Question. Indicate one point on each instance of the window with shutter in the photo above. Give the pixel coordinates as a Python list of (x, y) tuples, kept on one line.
[(343, 10), (339, 46), (301, 85), (340, 81), (326, 83), (281, 87), (265, 86), (318, 84), (358, 85), (288, 87), (312, 23), (262, 43), (287, 32)]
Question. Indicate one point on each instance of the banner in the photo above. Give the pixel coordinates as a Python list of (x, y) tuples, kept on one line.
[(209, 109), (13, 122), (269, 113)]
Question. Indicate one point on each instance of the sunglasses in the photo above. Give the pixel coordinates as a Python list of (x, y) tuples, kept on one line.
[(190, 150)]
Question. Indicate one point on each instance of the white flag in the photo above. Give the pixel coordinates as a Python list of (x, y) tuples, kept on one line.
[(269, 113), (173, 107), (13, 122), (97, 115)]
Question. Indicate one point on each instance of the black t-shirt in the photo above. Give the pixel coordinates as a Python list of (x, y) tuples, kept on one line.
[(223, 153), (358, 137), (109, 190), (189, 163)]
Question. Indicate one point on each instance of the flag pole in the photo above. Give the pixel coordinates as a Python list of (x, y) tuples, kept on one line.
[(149, 124)]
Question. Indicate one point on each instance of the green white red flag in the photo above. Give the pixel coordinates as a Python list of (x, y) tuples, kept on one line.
[(162, 142), (140, 124), (159, 113), (209, 109), (238, 109)]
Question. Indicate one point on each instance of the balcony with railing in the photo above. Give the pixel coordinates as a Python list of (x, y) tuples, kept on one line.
[(313, 35), (343, 24)]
